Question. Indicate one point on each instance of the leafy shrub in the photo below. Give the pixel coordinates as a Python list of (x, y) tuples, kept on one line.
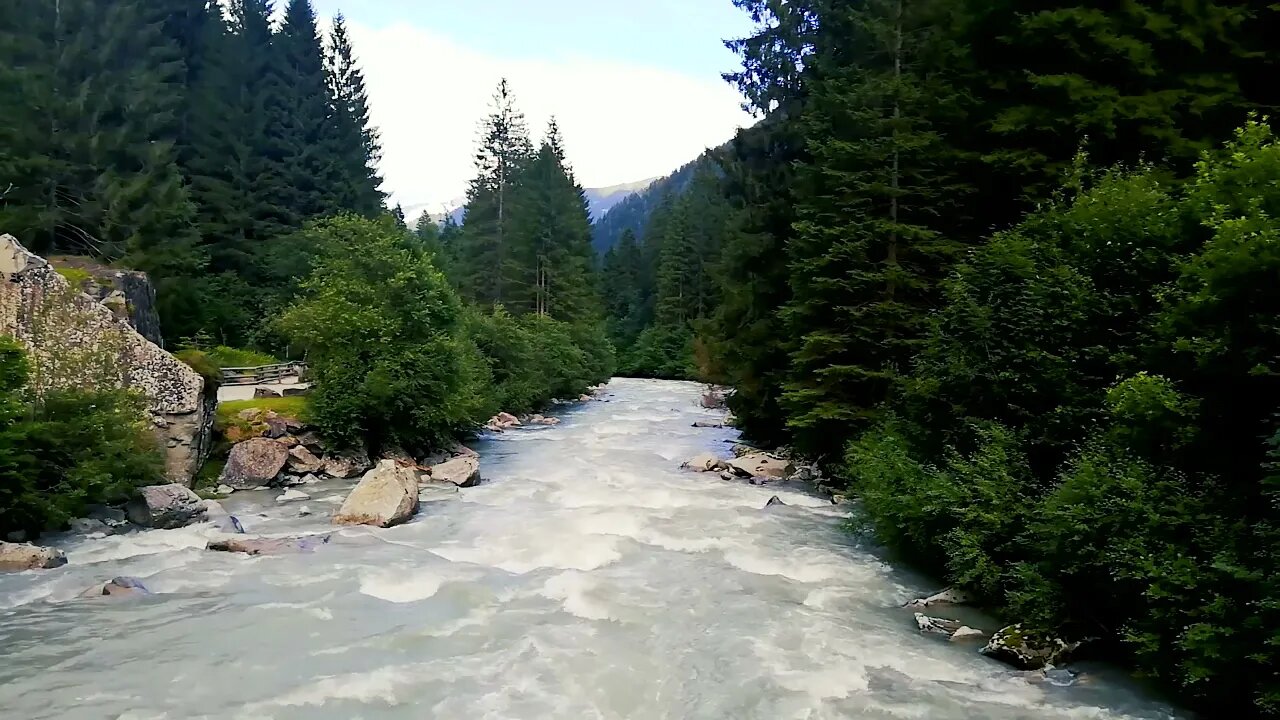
[(389, 356), (68, 449), (204, 365), (226, 357)]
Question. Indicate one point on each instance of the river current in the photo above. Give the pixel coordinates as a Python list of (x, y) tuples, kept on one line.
[(588, 577)]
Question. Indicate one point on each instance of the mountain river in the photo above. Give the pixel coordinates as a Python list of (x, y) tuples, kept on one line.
[(587, 577)]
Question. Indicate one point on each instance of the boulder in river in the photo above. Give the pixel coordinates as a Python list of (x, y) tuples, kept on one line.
[(950, 596), (964, 632), (291, 495), (936, 625), (1028, 649), (462, 471), (166, 507), (346, 464), (760, 464), (125, 587), (537, 419), (387, 495), (703, 463), (775, 501), (303, 461), (269, 546), (90, 526), (705, 424), (25, 556), (254, 463)]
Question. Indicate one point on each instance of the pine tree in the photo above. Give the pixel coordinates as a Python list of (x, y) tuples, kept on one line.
[(304, 130), (355, 146), (505, 151)]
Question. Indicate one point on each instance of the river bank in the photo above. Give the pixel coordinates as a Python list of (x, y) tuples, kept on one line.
[(589, 576)]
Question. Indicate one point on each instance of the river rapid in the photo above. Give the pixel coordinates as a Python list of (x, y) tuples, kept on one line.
[(588, 577)]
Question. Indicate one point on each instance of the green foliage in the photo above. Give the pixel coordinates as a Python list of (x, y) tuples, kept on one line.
[(67, 449), (203, 364), (297, 407), (384, 336), (1140, 510), (76, 277), (226, 357)]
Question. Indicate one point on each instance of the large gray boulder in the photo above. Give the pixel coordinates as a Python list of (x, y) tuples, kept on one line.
[(69, 333), (760, 464), (166, 507), (1028, 649), (387, 495), (463, 471), (15, 557), (254, 463)]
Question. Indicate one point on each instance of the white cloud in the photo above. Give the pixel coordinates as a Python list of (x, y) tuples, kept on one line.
[(620, 122)]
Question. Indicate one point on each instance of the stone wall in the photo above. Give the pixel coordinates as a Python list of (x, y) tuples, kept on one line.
[(76, 341)]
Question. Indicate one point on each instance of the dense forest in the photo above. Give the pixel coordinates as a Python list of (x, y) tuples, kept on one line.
[(1008, 272), (227, 150)]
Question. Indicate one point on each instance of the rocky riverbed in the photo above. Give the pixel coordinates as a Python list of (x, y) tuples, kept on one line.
[(588, 575)]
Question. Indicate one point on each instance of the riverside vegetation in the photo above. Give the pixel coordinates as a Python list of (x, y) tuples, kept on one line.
[(1007, 272)]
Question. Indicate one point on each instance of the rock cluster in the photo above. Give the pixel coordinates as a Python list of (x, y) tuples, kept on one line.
[(25, 556), (63, 329), (273, 450)]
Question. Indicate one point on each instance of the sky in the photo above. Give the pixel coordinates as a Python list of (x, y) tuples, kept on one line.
[(634, 84)]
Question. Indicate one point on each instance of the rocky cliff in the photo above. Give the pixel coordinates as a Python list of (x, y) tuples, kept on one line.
[(128, 294), (77, 341)]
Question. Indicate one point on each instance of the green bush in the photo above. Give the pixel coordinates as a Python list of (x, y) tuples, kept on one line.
[(204, 365), (67, 449), (226, 357), (388, 352), (1084, 437)]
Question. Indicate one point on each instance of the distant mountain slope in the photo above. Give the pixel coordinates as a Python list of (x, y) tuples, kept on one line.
[(632, 212), (599, 200)]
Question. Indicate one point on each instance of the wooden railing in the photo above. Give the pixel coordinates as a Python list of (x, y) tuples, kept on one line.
[(264, 374)]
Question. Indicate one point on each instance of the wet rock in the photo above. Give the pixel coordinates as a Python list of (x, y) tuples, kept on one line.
[(965, 633), (704, 424), (775, 501), (387, 495), (295, 391), (291, 495), (585, 398), (125, 587), (269, 546), (542, 420), (459, 449), (506, 419), (806, 473), (228, 524), (166, 507), (702, 463), (16, 557), (89, 526), (950, 596), (1028, 649), (741, 449), (936, 625), (726, 475), (461, 471), (112, 516), (301, 460), (266, 393), (760, 464), (224, 489), (254, 463), (304, 511), (759, 480), (346, 464)]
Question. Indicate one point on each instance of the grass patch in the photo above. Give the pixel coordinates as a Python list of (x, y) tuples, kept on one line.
[(201, 363), (207, 479), (76, 277), (293, 407), (225, 357)]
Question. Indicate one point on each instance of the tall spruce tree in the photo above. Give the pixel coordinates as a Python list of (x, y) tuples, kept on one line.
[(355, 147), (304, 131), (483, 261)]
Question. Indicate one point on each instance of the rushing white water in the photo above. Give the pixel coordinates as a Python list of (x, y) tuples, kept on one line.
[(587, 578)]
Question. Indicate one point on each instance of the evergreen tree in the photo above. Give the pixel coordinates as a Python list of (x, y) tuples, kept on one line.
[(355, 147), (483, 261), (305, 131)]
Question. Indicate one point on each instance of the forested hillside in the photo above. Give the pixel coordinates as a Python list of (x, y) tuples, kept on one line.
[(189, 144), (1008, 272), (632, 212)]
